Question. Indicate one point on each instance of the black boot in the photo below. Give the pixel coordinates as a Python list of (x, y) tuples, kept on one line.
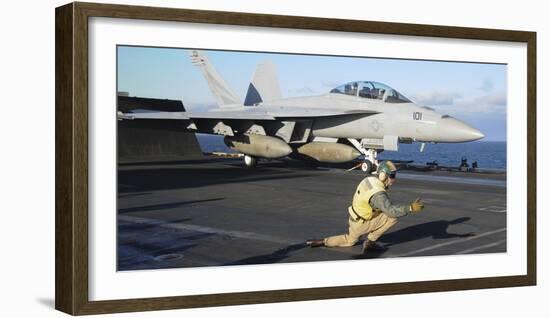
[(315, 243), (369, 245)]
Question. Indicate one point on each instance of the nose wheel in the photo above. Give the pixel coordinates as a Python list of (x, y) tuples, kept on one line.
[(367, 166)]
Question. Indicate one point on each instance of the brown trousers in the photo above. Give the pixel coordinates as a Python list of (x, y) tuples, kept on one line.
[(374, 227)]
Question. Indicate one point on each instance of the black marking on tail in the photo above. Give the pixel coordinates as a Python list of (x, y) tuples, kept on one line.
[(252, 96)]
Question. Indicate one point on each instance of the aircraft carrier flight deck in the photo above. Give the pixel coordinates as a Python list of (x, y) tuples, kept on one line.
[(214, 212)]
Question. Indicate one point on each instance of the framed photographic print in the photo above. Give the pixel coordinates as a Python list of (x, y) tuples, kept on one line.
[(210, 158)]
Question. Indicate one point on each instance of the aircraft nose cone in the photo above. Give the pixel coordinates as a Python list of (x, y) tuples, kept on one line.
[(454, 130), (475, 134)]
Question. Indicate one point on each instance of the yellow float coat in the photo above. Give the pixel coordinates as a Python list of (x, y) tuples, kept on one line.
[(360, 205)]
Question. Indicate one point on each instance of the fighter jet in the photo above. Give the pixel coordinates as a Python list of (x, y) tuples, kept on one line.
[(359, 118)]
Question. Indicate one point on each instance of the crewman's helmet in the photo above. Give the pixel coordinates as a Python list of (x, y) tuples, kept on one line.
[(386, 169)]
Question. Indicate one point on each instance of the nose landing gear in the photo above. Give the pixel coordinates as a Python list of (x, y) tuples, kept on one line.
[(370, 163)]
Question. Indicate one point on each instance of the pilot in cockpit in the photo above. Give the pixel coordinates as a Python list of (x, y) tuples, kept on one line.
[(381, 93), (353, 90), (366, 92)]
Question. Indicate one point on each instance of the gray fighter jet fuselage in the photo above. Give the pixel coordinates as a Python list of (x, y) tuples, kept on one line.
[(354, 119), (402, 119)]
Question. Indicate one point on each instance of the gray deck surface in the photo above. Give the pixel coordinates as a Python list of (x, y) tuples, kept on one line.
[(215, 212)]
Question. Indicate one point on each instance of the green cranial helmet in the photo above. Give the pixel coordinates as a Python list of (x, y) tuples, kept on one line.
[(388, 168)]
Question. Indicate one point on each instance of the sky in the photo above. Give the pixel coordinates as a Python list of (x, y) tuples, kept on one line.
[(472, 92)]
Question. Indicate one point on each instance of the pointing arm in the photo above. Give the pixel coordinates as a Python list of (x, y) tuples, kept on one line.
[(381, 201)]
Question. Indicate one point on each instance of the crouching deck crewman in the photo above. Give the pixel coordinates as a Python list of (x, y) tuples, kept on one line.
[(371, 212)]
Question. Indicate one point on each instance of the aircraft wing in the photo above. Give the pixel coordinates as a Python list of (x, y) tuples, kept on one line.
[(278, 121), (246, 114), (219, 115)]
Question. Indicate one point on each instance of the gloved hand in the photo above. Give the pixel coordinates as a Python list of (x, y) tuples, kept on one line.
[(416, 206)]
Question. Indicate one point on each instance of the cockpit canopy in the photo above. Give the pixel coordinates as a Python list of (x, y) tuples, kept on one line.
[(372, 90)]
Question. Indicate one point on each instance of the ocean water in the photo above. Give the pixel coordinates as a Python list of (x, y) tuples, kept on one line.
[(488, 154)]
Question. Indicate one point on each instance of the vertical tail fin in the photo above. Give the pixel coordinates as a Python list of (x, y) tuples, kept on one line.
[(221, 91), (264, 85)]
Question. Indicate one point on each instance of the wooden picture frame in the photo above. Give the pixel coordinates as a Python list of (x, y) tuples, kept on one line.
[(71, 89)]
